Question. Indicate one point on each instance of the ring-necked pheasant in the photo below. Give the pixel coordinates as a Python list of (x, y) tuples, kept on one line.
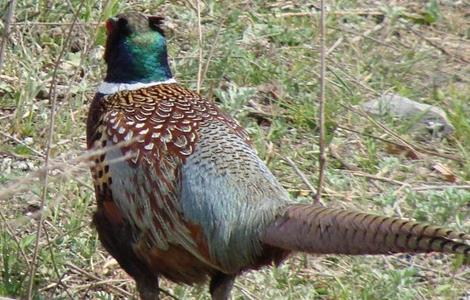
[(182, 194)]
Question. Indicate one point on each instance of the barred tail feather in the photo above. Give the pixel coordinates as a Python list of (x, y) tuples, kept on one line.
[(318, 229)]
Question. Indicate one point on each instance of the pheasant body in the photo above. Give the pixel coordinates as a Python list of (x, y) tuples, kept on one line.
[(182, 194), (177, 176)]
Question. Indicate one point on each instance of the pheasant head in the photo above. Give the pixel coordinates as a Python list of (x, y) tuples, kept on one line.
[(136, 49)]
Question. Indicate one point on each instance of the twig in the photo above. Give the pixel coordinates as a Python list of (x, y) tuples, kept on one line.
[(54, 285), (350, 77), (83, 55), (22, 143), (199, 29), (301, 175), (54, 264), (29, 24), (322, 155), (336, 44), (337, 13), (345, 164), (94, 277), (368, 135), (6, 31), (420, 149), (245, 292), (24, 183), (96, 283), (403, 142), (6, 116), (53, 93), (440, 187), (212, 50), (9, 230), (65, 169), (357, 33), (84, 184), (438, 47), (406, 263), (191, 4), (380, 178)]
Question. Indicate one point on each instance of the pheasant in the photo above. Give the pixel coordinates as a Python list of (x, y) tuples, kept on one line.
[(182, 194)]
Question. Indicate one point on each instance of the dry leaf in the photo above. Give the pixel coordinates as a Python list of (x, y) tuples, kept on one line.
[(445, 172), (402, 151)]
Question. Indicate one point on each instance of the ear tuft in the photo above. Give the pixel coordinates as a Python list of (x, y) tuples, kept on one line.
[(156, 22)]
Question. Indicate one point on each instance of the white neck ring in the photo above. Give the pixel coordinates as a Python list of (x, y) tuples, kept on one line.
[(113, 87)]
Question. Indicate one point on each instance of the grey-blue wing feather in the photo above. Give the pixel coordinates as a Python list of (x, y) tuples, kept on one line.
[(232, 201)]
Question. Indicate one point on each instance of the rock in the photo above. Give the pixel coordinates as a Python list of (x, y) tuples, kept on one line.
[(22, 165), (5, 165), (430, 120), (28, 140)]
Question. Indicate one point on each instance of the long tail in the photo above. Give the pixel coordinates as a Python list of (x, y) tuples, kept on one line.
[(318, 229)]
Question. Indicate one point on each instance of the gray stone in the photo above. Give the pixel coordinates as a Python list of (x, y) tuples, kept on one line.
[(429, 119)]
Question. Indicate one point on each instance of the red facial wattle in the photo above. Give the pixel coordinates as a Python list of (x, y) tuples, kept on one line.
[(109, 25)]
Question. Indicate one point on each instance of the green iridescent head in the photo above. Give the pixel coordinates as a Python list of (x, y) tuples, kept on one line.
[(136, 49)]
